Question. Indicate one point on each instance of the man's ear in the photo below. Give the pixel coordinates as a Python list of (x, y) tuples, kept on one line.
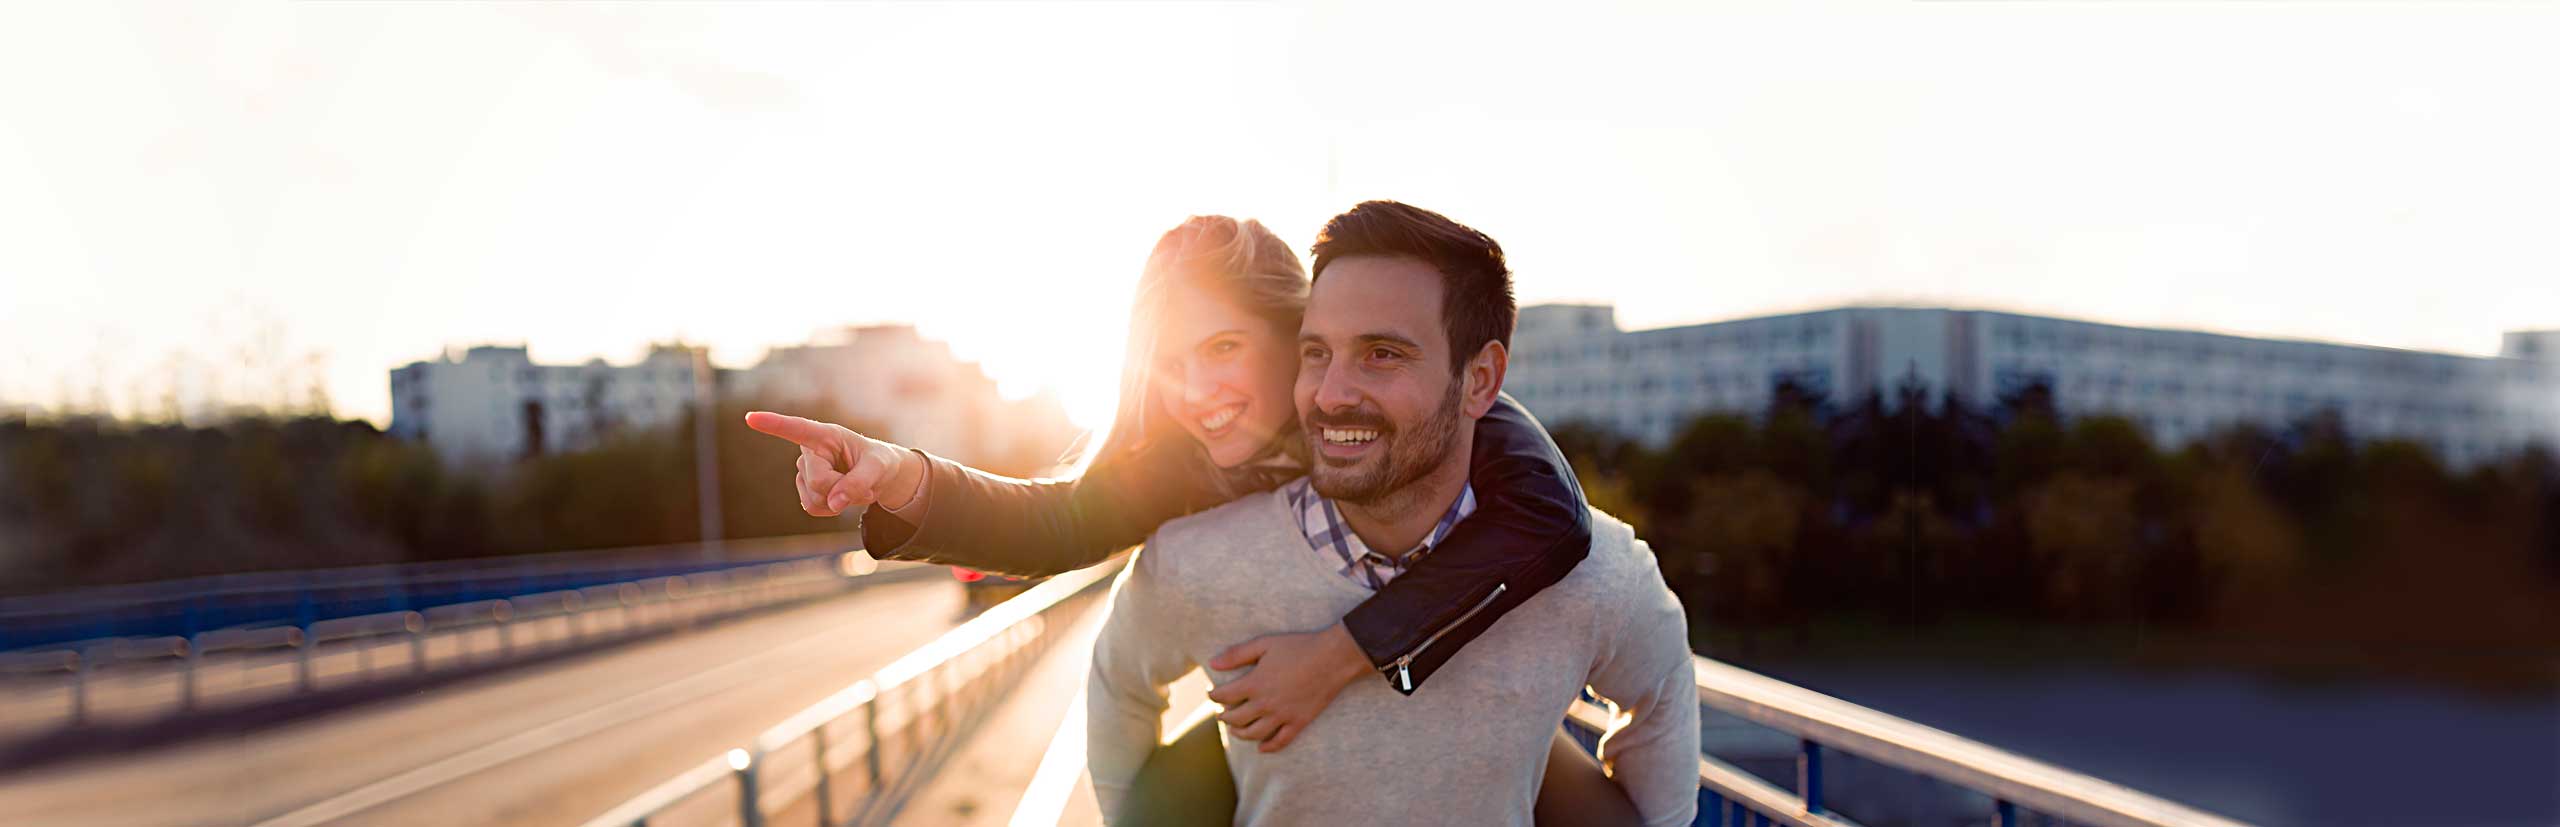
[(1483, 378)]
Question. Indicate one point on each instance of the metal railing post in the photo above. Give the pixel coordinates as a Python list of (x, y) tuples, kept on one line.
[(871, 734), (195, 662), (307, 642), (937, 682), (1809, 776), (2004, 814), (750, 808), (826, 794), (417, 624), (80, 665), (506, 630)]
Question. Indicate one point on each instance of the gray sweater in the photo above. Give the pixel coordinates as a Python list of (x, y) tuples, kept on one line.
[(1468, 748)]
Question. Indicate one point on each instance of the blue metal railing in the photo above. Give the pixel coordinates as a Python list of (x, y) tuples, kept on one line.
[(2018, 786), (143, 681), (185, 607)]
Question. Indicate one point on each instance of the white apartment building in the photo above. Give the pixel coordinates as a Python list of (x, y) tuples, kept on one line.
[(494, 405), (1573, 363)]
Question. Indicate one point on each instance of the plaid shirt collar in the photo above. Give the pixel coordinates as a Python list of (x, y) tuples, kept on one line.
[(1327, 534)]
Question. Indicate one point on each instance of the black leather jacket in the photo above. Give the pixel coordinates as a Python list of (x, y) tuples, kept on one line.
[(1529, 528)]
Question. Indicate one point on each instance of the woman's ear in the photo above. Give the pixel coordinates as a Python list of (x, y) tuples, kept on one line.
[(1483, 378)]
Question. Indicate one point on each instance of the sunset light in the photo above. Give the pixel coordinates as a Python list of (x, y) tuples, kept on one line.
[(600, 177), (587, 413)]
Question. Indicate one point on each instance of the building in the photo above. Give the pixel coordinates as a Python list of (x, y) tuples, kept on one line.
[(494, 404), (1573, 363), (913, 390)]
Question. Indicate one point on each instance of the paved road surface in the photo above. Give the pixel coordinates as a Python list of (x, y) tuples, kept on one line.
[(550, 745)]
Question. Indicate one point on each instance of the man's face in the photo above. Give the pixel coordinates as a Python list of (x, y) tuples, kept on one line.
[(1375, 390)]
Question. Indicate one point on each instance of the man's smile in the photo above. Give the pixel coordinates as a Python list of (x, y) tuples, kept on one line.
[(1345, 444)]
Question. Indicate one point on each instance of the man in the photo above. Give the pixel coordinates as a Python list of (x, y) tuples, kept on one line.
[(1404, 344)]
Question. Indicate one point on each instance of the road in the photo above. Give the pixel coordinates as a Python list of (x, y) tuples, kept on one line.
[(547, 745)]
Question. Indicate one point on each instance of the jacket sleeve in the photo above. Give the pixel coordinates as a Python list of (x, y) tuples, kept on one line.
[(1529, 529), (1036, 528)]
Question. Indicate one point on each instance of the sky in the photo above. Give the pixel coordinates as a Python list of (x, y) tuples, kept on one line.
[(207, 196)]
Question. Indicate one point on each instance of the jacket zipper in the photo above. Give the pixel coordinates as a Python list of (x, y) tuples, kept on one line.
[(1404, 664)]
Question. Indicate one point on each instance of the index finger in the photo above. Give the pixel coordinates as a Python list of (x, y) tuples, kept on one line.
[(808, 432)]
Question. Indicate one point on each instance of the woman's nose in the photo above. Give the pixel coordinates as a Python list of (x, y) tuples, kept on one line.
[(1198, 386)]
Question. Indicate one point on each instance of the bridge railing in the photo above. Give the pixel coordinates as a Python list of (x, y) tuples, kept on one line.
[(144, 680), (2018, 786), (185, 606), (856, 756)]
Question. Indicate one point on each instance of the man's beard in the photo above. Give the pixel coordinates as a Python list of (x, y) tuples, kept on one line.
[(1404, 461)]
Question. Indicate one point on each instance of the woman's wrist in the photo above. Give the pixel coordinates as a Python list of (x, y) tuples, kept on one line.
[(905, 484), (1343, 653)]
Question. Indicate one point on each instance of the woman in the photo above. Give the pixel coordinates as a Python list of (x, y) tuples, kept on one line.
[(1206, 414)]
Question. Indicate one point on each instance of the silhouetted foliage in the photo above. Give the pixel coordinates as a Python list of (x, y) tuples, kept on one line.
[(87, 501), (1911, 510)]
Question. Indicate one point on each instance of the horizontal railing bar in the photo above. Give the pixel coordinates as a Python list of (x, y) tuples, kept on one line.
[(736, 552), (1885, 739), (1727, 780), (338, 628), (667, 792), (951, 644), (1759, 795), (986, 628), (449, 616), (330, 652)]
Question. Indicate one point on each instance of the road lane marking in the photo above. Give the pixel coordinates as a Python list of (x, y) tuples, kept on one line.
[(537, 739), (1044, 801)]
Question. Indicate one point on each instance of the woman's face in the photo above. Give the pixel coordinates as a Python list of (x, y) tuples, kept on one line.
[(1225, 374)]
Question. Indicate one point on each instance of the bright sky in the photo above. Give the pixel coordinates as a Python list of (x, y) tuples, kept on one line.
[(380, 180)]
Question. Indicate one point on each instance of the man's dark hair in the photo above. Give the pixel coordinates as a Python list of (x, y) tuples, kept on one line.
[(1475, 284)]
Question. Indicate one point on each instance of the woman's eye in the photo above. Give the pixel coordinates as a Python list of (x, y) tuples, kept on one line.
[(1222, 348)]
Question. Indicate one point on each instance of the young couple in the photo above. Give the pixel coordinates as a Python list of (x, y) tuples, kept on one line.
[(1329, 483)]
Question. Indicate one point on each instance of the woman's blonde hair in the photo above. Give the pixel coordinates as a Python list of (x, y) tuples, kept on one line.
[(1241, 262)]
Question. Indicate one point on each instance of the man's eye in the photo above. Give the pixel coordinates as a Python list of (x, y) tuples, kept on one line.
[(1311, 354), (1381, 354)]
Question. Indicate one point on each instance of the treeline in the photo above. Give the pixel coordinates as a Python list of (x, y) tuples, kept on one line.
[(1887, 518), (89, 501)]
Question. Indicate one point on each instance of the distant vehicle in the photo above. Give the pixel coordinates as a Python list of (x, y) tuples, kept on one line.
[(985, 590)]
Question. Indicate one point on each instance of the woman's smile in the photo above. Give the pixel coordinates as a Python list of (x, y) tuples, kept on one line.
[(1216, 423)]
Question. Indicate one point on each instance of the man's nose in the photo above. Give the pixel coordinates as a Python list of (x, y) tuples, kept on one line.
[(1334, 389)]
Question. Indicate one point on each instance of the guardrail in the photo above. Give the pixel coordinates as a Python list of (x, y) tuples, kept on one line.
[(148, 680), (186, 606), (2018, 786), (854, 757)]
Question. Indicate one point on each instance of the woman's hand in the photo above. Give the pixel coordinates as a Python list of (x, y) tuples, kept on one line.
[(1294, 677), (840, 469)]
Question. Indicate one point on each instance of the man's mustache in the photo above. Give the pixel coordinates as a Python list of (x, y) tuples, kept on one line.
[(1367, 420)]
